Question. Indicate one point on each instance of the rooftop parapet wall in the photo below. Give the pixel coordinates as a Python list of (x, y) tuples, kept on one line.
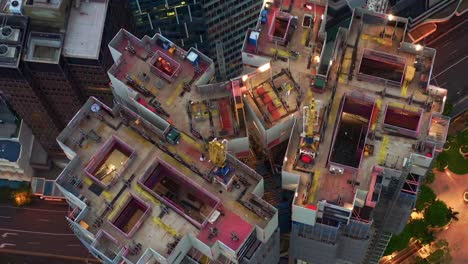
[(98, 169), (159, 172), (403, 119), (438, 130), (352, 125), (131, 216), (383, 67), (279, 27), (44, 47)]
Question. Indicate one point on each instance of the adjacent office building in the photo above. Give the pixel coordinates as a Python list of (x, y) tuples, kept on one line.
[(53, 58), (216, 28), (20, 153)]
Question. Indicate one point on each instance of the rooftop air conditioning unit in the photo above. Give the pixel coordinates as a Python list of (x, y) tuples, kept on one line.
[(7, 52), (16, 7), (9, 33)]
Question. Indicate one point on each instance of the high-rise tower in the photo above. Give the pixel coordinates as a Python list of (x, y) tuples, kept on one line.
[(53, 56), (217, 28)]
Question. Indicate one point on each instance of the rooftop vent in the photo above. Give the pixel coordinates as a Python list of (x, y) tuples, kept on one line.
[(3, 50), (7, 52), (16, 7), (6, 31), (9, 33)]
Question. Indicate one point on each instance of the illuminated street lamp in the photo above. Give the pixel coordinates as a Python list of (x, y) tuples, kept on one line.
[(418, 47), (22, 198)]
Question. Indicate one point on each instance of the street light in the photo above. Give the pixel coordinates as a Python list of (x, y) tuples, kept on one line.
[(418, 47), (244, 78), (390, 17)]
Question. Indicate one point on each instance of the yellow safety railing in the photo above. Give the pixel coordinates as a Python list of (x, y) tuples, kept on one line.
[(87, 181), (117, 206), (383, 150), (164, 226), (314, 186), (146, 195), (304, 36), (404, 89), (107, 195), (174, 94)]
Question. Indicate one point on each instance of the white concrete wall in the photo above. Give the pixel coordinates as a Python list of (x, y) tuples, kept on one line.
[(420, 160), (289, 181), (227, 252), (200, 246), (259, 190), (303, 215), (280, 131), (26, 139), (254, 60), (254, 121), (270, 228), (238, 145), (180, 251)]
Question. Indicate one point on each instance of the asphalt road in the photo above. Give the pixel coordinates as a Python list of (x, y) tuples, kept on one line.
[(451, 63), (38, 234)]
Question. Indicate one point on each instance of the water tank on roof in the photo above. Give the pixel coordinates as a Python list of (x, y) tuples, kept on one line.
[(253, 37), (16, 7)]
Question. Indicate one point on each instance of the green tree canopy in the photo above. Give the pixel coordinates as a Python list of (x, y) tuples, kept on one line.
[(437, 214), (430, 177), (425, 198)]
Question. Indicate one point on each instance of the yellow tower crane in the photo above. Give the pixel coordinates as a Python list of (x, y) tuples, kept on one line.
[(309, 121), (217, 152)]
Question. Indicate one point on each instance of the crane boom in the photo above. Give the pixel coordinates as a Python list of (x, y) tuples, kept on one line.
[(217, 152)]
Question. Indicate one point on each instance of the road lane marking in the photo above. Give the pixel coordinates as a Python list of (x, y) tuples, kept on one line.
[(40, 254), (448, 42), (7, 234), (6, 217), (32, 209), (38, 233), (445, 33), (43, 220), (448, 68), (453, 52), (73, 245), (34, 243), (461, 100), (6, 244)]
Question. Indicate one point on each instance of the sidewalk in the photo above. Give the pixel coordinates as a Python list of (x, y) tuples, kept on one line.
[(449, 187)]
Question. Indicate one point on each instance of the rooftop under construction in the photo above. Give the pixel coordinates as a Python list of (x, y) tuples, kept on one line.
[(375, 120), (140, 190), (161, 168), (163, 77)]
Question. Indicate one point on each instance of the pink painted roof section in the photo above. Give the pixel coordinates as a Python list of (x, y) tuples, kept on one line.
[(227, 224)]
